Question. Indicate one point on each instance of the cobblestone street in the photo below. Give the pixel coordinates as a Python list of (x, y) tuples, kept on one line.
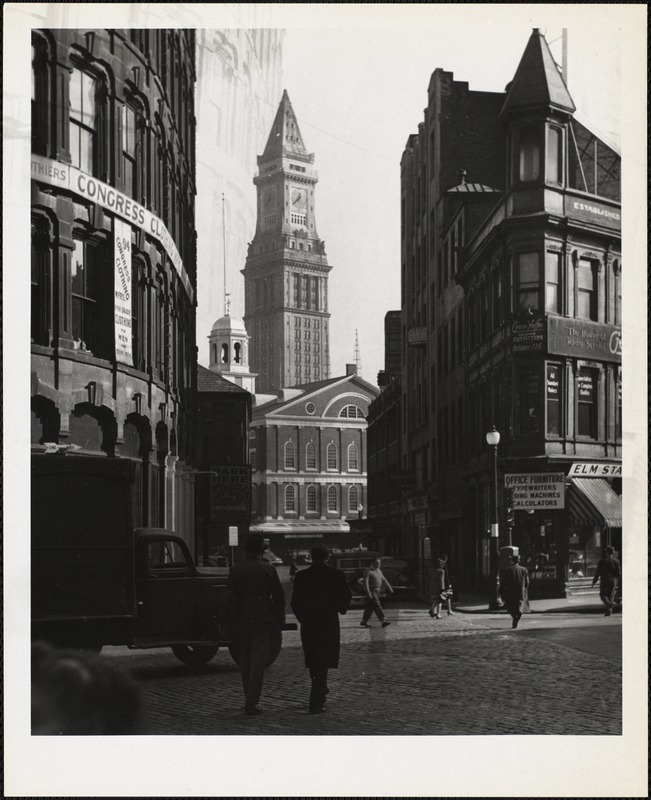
[(465, 674)]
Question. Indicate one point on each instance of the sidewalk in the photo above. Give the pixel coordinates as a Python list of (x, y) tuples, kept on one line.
[(577, 604)]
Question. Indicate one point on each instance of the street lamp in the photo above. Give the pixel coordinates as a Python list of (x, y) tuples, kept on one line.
[(493, 439)]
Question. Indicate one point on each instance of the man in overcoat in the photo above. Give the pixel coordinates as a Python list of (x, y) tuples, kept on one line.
[(514, 588), (319, 595), (608, 574), (254, 607)]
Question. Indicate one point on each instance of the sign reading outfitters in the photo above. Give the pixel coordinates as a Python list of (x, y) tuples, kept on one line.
[(74, 180)]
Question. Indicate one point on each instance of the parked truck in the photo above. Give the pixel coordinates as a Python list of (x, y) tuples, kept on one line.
[(98, 581)]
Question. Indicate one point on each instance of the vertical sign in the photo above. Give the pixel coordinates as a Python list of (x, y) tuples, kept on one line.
[(122, 289), (232, 536)]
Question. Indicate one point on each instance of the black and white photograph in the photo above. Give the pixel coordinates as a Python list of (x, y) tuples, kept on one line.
[(325, 406)]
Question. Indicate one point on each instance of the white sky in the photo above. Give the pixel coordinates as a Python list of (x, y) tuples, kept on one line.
[(357, 76)]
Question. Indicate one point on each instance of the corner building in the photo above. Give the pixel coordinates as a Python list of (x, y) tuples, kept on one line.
[(286, 270), (511, 311), (113, 259)]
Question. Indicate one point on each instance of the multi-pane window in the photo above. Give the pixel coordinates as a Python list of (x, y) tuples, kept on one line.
[(290, 498), (310, 456), (353, 499), (310, 499), (82, 113), (332, 498), (40, 292), (129, 150), (353, 457), (587, 290), (290, 455), (528, 282), (554, 397), (352, 412), (552, 282), (586, 389), (85, 274), (332, 456)]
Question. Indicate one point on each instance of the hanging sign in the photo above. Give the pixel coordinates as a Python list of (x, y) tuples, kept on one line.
[(122, 291), (537, 490)]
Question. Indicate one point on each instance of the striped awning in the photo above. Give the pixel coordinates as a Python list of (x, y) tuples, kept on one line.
[(593, 501)]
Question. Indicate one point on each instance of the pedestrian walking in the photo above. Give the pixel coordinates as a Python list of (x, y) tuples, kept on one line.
[(255, 609), (319, 595), (292, 567), (608, 574), (437, 588), (448, 585), (374, 582), (514, 588)]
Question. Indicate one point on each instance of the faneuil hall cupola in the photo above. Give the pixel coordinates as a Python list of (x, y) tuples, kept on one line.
[(286, 270)]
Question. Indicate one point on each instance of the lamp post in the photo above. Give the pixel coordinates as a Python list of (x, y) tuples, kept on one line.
[(493, 439)]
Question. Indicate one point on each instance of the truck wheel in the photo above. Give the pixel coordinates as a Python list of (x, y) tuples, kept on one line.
[(195, 654), (273, 649)]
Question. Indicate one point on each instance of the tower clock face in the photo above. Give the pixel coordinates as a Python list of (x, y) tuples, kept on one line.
[(299, 199)]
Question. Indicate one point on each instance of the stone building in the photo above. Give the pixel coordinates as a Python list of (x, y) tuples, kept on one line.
[(113, 257)]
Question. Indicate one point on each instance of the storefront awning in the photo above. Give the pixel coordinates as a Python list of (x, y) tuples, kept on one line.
[(593, 501), (300, 527)]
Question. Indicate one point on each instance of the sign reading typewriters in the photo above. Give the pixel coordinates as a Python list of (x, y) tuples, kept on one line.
[(533, 491)]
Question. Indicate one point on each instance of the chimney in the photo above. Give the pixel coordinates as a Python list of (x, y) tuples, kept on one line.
[(351, 369), (462, 176)]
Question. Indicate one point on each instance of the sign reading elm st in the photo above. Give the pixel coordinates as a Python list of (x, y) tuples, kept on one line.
[(584, 339), (534, 491)]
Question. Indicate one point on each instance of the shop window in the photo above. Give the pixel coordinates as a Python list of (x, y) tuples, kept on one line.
[(529, 154), (554, 395), (586, 390), (353, 458), (353, 499), (310, 456), (528, 282), (554, 160), (552, 282), (332, 498), (528, 399), (587, 290), (310, 499), (290, 498), (331, 456), (82, 118), (290, 455), (88, 328)]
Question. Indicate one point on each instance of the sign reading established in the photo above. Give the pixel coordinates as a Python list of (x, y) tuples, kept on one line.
[(593, 211), (537, 490), (588, 469), (122, 288), (584, 339)]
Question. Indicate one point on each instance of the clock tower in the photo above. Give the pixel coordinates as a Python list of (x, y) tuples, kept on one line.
[(286, 270)]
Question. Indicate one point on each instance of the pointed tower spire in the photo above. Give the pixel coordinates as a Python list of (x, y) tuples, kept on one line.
[(285, 136), (537, 81), (358, 357)]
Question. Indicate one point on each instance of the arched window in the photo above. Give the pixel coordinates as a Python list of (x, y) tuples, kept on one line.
[(353, 458), (352, 412), (290, 455), (224, 353), (310, 456), (311, 499), (214, 354), (290, 498), (332, 456), (237, 352), (353, 498), (82, 107), (332, 498)]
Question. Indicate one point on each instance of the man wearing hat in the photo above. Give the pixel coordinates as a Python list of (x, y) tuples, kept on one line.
[(514, 588), (255, 607)]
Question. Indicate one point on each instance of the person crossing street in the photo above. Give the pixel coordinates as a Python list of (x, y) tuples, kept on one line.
[(374, 582)]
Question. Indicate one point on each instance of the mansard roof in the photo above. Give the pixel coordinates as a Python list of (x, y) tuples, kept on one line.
[(285, 137), (537, 81)]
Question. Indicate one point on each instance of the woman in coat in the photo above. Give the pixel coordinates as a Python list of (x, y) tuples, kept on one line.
[(514, 588), (436, 589), (319, 595)]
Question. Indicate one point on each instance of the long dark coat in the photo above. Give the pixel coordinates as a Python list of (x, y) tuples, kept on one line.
[(320, 594), (514, 588)]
